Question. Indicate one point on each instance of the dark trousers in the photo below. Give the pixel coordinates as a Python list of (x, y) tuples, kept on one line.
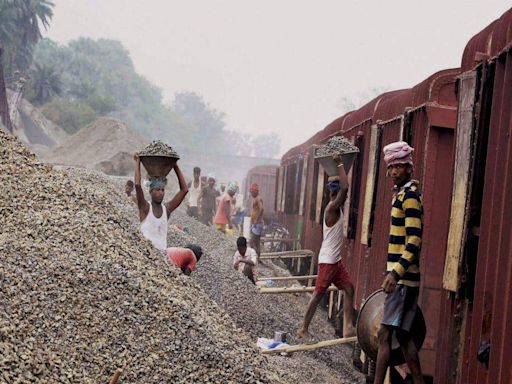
[(193, 212)]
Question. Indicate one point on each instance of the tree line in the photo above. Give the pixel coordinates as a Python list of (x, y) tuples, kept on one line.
[(74, 84)]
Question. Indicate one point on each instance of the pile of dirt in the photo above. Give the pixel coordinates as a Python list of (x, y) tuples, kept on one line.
[(106, 144), (82, 293)]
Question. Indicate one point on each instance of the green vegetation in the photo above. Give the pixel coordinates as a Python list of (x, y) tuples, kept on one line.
[(20, 29), (74, 84)]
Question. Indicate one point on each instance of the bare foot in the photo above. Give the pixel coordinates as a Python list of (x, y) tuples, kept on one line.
[(349, 331), (306, 337), (303, 334)]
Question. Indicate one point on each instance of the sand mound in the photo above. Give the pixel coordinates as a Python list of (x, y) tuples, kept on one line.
[(102, 145)]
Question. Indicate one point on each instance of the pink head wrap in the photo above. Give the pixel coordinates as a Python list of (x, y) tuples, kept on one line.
[(398, 153)]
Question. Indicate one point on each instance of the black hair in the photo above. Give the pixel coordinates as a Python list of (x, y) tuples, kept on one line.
[(198, 251), (197, 170), (130, 183), (241, 242)]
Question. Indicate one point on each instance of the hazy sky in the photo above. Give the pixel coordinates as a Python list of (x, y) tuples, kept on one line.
[(281, 65)]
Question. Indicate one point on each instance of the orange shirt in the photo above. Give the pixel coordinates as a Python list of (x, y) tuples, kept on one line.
[(220, 217)]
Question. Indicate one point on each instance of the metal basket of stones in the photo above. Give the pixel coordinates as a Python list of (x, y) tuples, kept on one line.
[(336, 145), (158, 159)]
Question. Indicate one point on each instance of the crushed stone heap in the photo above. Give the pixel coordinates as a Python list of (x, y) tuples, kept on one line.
[(82, 293)]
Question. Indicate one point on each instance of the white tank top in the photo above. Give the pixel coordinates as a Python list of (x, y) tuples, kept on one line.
[(193, 194), (155, 229), (330, 252)]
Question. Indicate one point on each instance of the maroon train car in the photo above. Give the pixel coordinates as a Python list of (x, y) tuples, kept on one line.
[(460, 123), (477, 279), (265, 176)]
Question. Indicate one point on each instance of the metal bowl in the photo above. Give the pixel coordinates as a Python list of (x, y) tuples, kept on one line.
[(368, 324), (158, 166)]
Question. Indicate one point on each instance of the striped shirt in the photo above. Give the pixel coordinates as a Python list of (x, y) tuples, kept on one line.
[(405, 235)]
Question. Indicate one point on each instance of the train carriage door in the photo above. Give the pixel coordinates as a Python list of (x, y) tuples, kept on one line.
[(355, 189), (464, 159), (391, 131), (475, 98)]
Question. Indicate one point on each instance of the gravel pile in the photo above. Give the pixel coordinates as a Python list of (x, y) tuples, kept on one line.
[(335, 145), (261, 315), (82, 293), (158, 148)]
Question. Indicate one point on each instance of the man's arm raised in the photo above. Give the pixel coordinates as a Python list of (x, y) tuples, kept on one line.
[(178, 198), (142, 204), (342, 193)]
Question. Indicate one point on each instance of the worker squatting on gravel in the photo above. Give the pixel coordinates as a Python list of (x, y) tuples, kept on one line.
[(246, 260)]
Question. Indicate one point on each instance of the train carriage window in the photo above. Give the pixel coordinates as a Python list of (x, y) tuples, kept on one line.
[(355, 189), (298, 184), (303, 186), (469, 175), (371, 183), (283, 189), (289, 196), (280, 185), (320, 194), (461, 177), (277, 189), (312, 206)]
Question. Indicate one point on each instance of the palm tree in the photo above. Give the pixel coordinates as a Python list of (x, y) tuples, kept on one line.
[(30, 14), (20, 30), (46, 83)]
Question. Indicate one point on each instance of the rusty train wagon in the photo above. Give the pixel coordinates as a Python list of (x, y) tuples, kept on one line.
[(459, 122), (477, 302), (425, 116), (265, 177)]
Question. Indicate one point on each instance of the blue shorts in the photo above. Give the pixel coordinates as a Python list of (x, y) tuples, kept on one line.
[(400, 307), (257, 229)]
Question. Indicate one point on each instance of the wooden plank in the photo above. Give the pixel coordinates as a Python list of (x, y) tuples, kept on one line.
[(283, 195), (278, 278), (311, 271), (461, 180), (292, 290), (284, 253), (277, 240), (331, 304), (296, 256), (311, 347), (303, 185), (116, 376), (370, 184), (319, 193)]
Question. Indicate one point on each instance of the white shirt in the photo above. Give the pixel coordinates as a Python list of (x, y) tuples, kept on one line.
[(330, 252), (250, 255), (193, 194), (155, 229)]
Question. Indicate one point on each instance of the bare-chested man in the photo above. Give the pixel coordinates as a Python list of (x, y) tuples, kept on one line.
[(256, 218)]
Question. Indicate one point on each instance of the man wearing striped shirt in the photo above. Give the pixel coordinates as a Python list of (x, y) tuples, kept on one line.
[(402, 280)]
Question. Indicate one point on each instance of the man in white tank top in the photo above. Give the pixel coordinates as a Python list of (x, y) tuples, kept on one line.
[(330, 268), (194, 190), (153, 216)]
